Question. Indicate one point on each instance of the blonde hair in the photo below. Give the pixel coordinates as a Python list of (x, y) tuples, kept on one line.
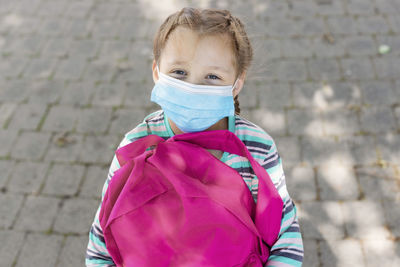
[(209, 21)]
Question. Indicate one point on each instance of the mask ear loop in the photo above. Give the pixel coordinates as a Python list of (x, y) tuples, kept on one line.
[(233, 86)]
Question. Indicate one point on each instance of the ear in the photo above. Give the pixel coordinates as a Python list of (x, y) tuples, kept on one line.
[(155, 72), (239, 84)]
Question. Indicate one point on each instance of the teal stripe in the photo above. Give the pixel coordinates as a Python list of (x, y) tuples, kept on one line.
[(96, 241), (286, 245), (285, 260), (291, 235), (255, 139), (250, 129), (98, 261)]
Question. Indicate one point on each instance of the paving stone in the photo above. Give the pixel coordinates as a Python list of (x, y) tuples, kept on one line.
[(105, 10), (388, 6), (372, 24), (363, 149), (324, 69), (330, 7), (40, 250), (393, 41), (337, 181), (375, 186), (5, 171), (28, 117), (100, 70), (128, 33), (14, 241), (321, 149), (84, 49), (301, 182), (28, 45), (323, 48), (6, 111), (79, 28), (271, 121), (394, 22), (14, 91), (98, 149), (389, 147), (249, 95), (124, 120), (289, 149), (292, 70), (311, 26), (109, 94), (282, 27), (377, 119), (364, 219), (305, 122), (53, 27), (93, 182), (378, 93), (45, 91), (321, 220), (78, 93), (311, 257), (347, 252), (360, 45), (360, 7), (342, 122), (7, 139), (387, 67), (392, 214), (27, 177), (79, 10), (73, 252), (64, 180), (358, 68), (264, 48), (332, 96), (274, 96), (37, 214), (71, 69), (397, 90), (76, 216), (116, 49), (296, 47), (94, 120), (138, 98), (61, 118), (13, 66), (381, 252), (10, 204), (30, 145), (57, 47), (342, 25), (64, 148), (52, 9), (302, 8), (104, 30)]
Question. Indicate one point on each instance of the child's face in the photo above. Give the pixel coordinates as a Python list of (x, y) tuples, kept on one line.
[(207, 60)]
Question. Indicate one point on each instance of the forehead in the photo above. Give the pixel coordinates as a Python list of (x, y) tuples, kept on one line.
[(186, 45)]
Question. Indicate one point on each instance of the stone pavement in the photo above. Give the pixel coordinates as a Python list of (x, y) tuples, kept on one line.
[(75, 76)]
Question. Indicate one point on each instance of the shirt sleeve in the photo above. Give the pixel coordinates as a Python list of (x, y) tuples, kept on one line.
[(288, 249), (96, 252)]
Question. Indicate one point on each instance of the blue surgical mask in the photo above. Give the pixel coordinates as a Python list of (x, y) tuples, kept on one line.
[(192, 107)]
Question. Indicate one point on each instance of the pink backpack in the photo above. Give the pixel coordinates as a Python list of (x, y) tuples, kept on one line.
[(178, 205)]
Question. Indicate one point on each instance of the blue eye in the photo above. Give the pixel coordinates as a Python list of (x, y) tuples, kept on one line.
[(213, 77), (179, 72)]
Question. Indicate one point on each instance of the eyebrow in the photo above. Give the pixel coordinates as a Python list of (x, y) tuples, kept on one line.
[(181, 62)]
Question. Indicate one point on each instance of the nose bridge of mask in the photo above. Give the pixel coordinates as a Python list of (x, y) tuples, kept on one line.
[(160, 75)]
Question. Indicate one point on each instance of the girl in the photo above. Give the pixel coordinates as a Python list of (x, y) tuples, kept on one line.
[(208, 50)]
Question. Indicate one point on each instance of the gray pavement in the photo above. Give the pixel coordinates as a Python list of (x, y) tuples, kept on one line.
[(75, 76)]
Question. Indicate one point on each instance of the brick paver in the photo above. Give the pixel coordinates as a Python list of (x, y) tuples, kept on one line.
[(75, 76)]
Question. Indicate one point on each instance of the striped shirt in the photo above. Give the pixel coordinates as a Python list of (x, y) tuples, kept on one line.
[(287, 250)]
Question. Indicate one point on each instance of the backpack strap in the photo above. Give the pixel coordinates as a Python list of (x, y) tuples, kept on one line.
[(269, 203)]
